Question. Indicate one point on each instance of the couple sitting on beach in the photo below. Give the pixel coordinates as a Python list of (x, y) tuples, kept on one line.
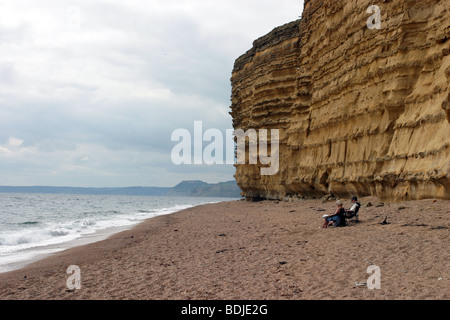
[(338, 218)]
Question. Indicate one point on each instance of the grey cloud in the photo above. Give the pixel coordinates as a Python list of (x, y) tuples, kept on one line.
[(96, 105)]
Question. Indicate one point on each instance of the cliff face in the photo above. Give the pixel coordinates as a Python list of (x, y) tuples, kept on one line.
[(360, 111)]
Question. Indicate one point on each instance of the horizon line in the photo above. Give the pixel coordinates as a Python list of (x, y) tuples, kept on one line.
[(50, 186)]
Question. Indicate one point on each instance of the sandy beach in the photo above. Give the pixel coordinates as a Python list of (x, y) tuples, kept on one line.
[(256, 250)]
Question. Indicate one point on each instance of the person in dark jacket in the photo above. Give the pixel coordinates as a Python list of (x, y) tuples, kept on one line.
[(353, 211)]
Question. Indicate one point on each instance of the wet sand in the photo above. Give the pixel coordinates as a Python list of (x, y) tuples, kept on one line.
[(256, 250)]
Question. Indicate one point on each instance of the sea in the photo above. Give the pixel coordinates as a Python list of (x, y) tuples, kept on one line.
[(33, 226)]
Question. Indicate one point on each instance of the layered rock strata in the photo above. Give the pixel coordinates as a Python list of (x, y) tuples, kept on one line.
[(360, 111)]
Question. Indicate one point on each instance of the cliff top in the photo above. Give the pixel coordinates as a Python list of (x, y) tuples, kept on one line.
[(285, 32)]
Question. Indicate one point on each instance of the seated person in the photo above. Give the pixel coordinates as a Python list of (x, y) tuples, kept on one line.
[(337, 218), (353, 211)]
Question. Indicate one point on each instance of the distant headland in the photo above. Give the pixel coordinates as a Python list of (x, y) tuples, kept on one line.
[(193, 188)]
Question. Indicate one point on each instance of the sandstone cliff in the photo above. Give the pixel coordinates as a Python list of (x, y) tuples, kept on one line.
[(360, 111)]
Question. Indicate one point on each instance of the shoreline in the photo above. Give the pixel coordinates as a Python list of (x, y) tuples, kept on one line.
[(262, 250), (34, 254), (43, 252)]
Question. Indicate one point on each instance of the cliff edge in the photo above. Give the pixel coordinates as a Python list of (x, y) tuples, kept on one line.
[(360, 111)]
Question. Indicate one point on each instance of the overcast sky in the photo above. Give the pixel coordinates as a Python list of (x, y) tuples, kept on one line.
[(90, 91)]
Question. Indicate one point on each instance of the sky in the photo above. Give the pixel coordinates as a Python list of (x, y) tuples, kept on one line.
[(91, 91)]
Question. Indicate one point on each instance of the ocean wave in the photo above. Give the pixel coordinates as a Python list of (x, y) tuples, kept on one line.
[(58, 233), (21, 237), (89, 223)]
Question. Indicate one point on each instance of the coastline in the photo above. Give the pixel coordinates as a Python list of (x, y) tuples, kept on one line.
[(264, 250), (43, 252), (21, 258)]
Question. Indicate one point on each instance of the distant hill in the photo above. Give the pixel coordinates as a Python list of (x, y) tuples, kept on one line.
[(202, 189), (194, 188), (222, 189), (185, 188)]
